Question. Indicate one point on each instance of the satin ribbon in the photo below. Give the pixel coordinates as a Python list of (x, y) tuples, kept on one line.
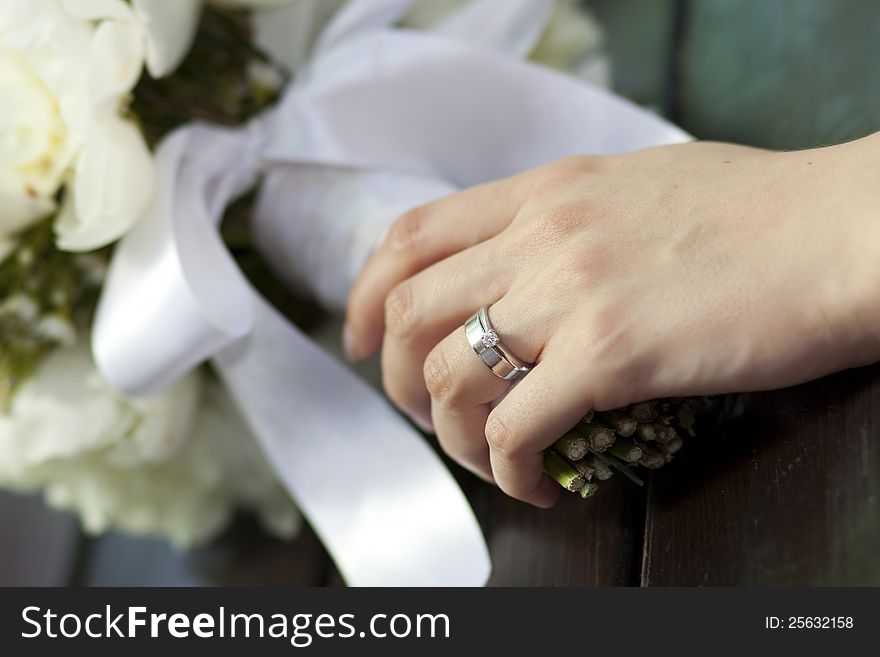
[(379, 120)]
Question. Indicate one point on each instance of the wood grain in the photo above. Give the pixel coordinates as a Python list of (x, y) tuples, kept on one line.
[(594, 542), (788, 495)]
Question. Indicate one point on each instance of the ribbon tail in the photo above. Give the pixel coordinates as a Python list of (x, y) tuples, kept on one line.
[(383, 504)]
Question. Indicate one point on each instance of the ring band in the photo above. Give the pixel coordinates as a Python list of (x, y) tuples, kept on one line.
[(488, 347)]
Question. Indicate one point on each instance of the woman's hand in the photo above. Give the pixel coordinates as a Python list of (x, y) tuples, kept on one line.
[(680, 270)]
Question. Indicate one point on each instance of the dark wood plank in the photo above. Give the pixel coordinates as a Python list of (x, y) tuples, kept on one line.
[(781, 74), (788, 495), (595, 542), (38, 546)]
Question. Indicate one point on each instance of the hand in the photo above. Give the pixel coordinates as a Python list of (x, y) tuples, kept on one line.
[(691, 269)]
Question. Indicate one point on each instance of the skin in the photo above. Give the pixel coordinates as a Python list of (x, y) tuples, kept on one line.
[(691, 269)]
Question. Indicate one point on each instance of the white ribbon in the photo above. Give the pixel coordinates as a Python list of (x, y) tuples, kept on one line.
[(381, 119)]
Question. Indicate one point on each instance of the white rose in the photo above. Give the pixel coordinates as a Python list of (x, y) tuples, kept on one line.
[(66, 70), (174, 465), (574, 43)]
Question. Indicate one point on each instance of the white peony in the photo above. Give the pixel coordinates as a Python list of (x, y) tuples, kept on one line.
[(67, 68), (176, 465)]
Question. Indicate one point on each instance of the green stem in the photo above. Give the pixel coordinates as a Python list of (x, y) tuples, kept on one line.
[(652, 458), (589, 490), (623, 425), (598, 434), (645, 433), (584, 468), (626, 450), (622, 468), (572, 446), (562, 471), (645, 411), (664, 434), (601, 469)]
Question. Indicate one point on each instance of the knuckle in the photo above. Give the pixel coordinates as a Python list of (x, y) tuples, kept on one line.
[(576, 165), (407, 231), (439, 379), (550, 227), (561, 173), (400, 317), (564, 219), (499, 435)]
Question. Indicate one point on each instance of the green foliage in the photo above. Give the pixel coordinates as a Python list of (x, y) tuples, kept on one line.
[(212, 84), (46, 296)]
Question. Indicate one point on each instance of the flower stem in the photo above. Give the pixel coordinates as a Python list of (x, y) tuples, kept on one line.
[(572, 446), (626, 450), (623, 424), (624, 469), (599, 435), (562, 471)]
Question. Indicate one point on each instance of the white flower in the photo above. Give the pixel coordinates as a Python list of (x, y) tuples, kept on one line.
[(573, 42), (175, 465), (169, 28), (67, 68), (263, 4)]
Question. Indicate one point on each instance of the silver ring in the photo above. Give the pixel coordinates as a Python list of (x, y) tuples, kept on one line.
[(488, 346)]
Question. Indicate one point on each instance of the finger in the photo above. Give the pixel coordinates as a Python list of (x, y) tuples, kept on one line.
[(542, 407), (424, 309), (418, 239), (462, 389)]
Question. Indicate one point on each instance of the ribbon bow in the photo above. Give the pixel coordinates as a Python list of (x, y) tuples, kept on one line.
[(378, 120)]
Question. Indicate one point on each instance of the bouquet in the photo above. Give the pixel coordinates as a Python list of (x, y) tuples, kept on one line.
[(90, 89), (643, 435)]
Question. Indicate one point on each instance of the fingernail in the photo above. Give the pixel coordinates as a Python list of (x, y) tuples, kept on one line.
[(349, 344)]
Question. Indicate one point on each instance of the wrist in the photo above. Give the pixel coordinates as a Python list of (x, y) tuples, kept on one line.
[(854, 187)]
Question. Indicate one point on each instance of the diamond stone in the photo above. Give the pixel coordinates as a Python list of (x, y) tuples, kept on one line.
[(490, 339)]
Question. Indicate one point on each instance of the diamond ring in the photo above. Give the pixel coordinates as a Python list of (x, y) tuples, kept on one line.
[(487, 345)]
